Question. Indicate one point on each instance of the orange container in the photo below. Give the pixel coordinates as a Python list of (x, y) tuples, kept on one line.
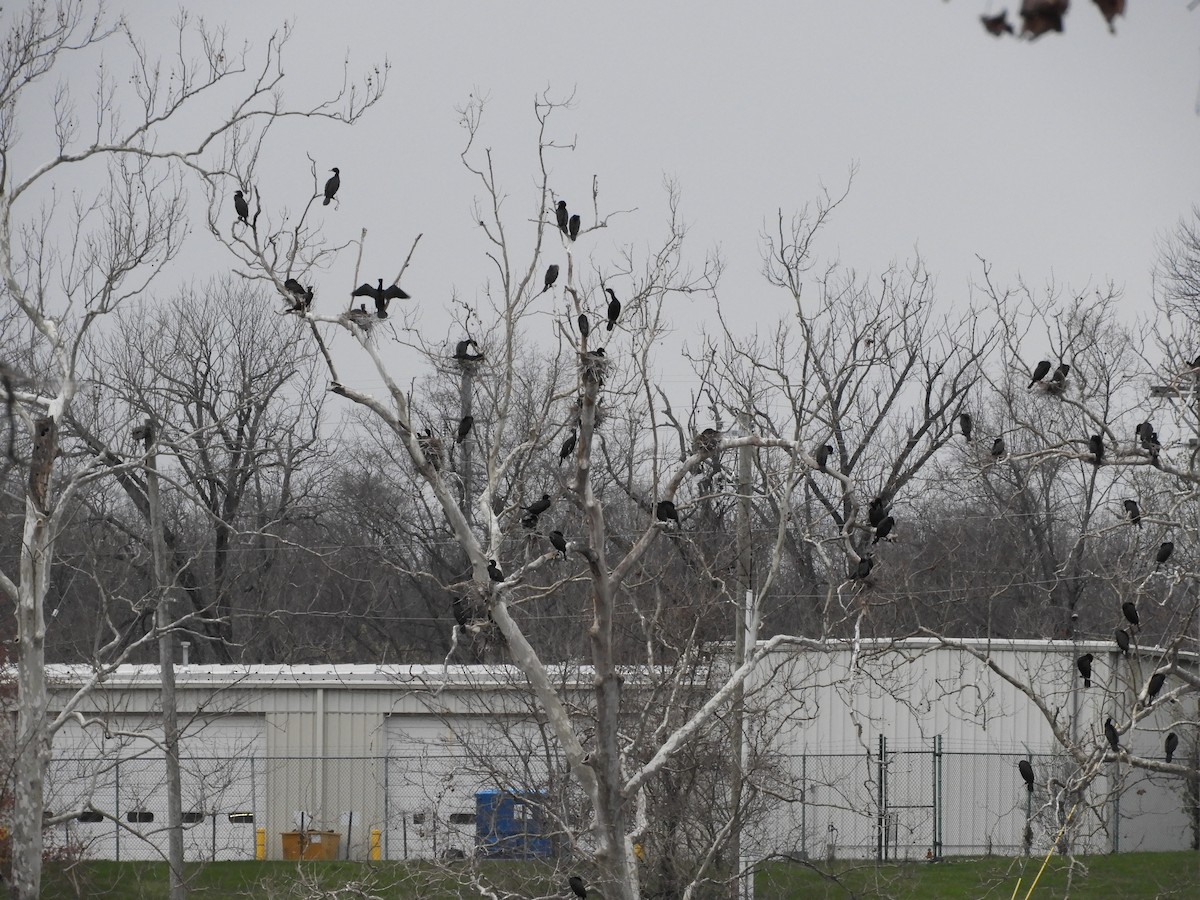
[(311, 844)]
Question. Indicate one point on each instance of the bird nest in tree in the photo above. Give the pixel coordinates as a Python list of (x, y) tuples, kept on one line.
[(360, 317), (594, 364), (576, 414)]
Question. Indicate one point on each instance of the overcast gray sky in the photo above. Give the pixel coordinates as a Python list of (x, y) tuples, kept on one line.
[(1063, 158)]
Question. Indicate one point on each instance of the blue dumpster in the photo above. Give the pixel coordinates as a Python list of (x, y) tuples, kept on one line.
[(511, 825)]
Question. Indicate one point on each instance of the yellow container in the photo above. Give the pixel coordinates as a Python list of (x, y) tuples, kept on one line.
[(260, 843), (376, 844), (311, 844)]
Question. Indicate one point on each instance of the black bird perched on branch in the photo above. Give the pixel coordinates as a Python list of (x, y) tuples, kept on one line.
[(1156, 682), (966, 423), (332, 185), (464, 428), (1058, 381), (1084, 665), (614, 309), (1172, 745), (1110, 732), (301, 298), (561, 214), (573, 228), (381, 295), (578, 887), (1042, 370), (462, 350), (1026, 771), (665, 512), (241, 207), (1164, 553), (1122, 638), (1195, 363), (559, 543), (883, 529), (537, 507), (585, 327), (822, 456), (1131, 614), (998, 448), (1134, 512), (567, 448), (863, 569), (551, 277), (494, 572), (1096, 448), (462, 611), (877, 511)]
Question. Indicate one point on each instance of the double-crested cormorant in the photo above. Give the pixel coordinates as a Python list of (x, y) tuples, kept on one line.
[(578, 887), (585, 326), (241, 207), (1134, 512), (1165, 549), (1058, 381), (464, 428), (332, 185), (1040, 16), (567, 448), (537, 507), (614, 308), (1026, 771), (665, 512), (883, 529), (1042, 370), (1172, 745), (558, 542), (1155, 685), (822, 456), (462, 350), (462, 611), (863, 569), (381, 295), (998, 448), (998, 24), (877, 511), (1131, 614), (494, 572), (1110, 732), (1122, 638), (551, 277), (967, 424), (301, 298), (1096, 448), (573, 228), (561, 214), (1084, 665)]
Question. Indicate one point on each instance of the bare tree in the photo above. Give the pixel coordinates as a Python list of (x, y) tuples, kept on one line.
[(66, 266)]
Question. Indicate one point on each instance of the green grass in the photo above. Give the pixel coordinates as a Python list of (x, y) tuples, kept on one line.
[(1126, 876)]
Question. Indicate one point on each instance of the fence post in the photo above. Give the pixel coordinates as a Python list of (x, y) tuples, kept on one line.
[(881, 837), (117, 803), (937, 796), (387, 821), (804, 805)]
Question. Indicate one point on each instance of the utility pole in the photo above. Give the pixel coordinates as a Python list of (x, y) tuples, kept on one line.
[(744, 604), (166, 660)]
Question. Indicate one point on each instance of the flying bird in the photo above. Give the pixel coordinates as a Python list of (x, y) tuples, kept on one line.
[(998, 24), (1130, 612), (614, 308), (1110, 9), (883, 529), (1172, 745), (464, 428), (1084, 665), (551, 277), (998, 448), (1156, 682), (573, 228), (559, 542), (561, 214), (1110, 732), (381, 295), (585, 326), (1042, 370), (1096, 448), (332, 185), (1027, 773), (1040, 16), (822, 455), (665, 512), (1134, 512), (1164, 553), (1122, 638), (494, 572), (241, 207), (966, 424), (578, 887), (567, 448)]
